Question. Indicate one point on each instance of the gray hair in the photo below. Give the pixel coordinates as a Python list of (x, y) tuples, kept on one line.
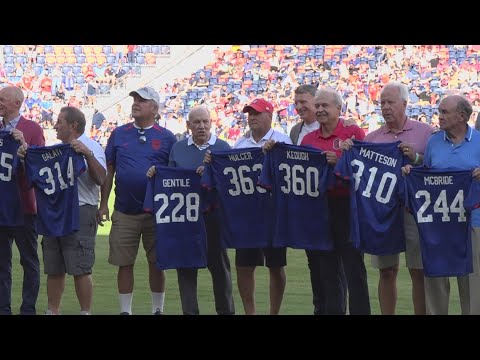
[(463, 106), (335, 93), (402, 88)]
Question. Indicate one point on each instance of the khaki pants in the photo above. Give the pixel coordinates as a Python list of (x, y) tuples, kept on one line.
[(437, 289)]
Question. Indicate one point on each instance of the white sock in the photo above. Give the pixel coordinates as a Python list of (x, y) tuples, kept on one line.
[(126, 302), (157, 301), (85, 312)]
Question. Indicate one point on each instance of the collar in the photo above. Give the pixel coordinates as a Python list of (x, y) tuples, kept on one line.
[(408, 125), (266, 137), (335, 131), (468, 134), (210, 142), (138, 127), (12, 124)]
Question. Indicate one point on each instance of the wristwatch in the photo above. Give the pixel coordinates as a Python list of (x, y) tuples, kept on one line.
[(91, 154)]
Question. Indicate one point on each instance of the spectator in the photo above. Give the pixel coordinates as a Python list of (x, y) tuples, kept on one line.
[(97, 119)]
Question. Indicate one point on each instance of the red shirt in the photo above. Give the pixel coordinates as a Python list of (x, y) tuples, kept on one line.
[(333, 143)]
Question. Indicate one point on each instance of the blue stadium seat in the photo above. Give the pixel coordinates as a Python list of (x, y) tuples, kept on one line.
[(8, 50), (165, 50), (140, 59), (416, 110), (77, 50), (48, 49), (10, 70), (111, 59), (41, 59), (77, 69), (427, 110), (80, 79), (66, 69), (81, 58), (146, 49), (21, 59), (9, 60), (107, 49), (38, 69), (156, 49)]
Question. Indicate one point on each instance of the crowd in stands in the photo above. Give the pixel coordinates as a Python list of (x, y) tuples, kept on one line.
[(242, 73), (54, 76)]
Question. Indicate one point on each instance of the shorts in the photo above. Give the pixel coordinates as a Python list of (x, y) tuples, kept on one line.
[(269, 257), (413, 254), (125, 237), (73, 254)]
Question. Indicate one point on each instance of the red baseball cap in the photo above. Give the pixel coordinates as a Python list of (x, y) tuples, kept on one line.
[(259, 105)]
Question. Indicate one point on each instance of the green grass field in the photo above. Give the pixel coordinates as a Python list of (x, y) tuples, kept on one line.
[(297, 299)]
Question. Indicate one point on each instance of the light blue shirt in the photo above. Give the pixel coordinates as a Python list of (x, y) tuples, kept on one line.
[(12, 124), (441, 152)]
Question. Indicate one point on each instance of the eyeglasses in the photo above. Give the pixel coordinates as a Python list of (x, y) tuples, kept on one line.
[(142, 139)]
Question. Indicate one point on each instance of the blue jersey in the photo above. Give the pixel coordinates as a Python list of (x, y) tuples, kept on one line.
[(132, 151), (175, 197), (245, 208), (298, 178), (376, 186), (11, 204), (53, 171), (436, 199)]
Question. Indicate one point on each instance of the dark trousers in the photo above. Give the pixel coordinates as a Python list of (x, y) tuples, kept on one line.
[(219, 267), (329, 285), (26, 239)]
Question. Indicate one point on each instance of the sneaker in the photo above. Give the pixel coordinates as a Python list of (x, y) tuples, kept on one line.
[(124, 313), (49, 312), (157, 312)]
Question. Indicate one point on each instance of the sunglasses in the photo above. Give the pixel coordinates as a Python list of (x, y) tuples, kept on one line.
[(142, 139)]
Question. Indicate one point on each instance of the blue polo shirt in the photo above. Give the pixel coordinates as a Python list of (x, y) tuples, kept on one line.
[(442, 153)]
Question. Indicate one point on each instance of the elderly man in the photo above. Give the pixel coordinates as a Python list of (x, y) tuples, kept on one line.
[(61, 254), (25, 236), (456, 145), (189, 154), (131, 150), (413, 136)]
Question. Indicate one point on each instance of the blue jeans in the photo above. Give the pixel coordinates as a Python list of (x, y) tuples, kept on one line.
[(26, 239)]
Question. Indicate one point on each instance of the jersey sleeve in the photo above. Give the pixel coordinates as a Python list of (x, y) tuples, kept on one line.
[(149, 193), (343, 167), (325, 175), (472, 201), (265, 180), (207, 181), (80, 165)]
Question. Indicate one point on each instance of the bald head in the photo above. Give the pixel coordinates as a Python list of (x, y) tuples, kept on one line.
[(200, 110), (461, 105), (11, 100), (199, 123)]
